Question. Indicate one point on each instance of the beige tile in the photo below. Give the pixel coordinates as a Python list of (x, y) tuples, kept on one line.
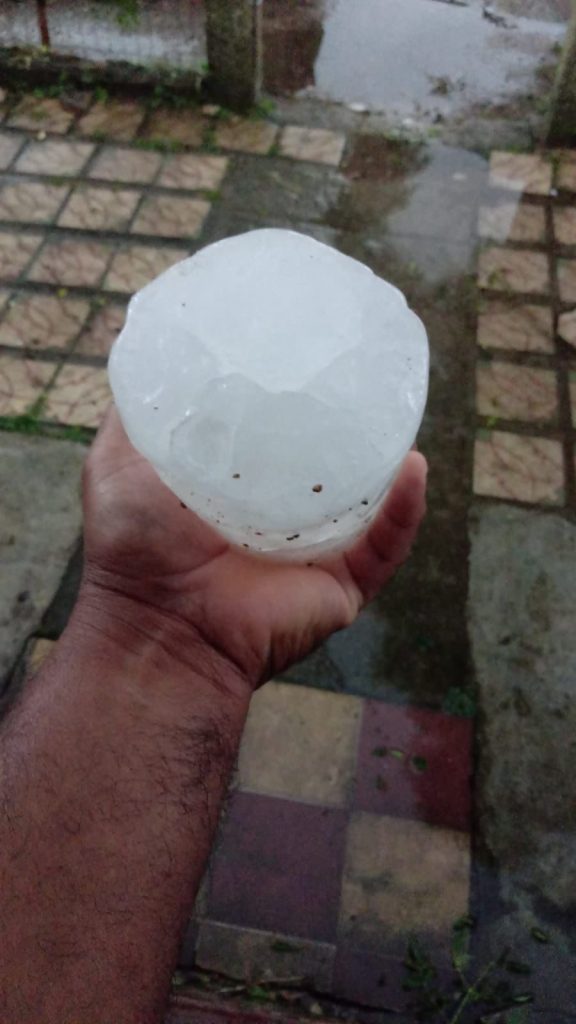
[(567, 327), (16, 251), (54, 156), (246, 136), (529, 469), (31, 202), (524, 328), (315, 144), (300, 743), (510, 270), (79, 396), (512, 222), (115, 119), (99, 209), (567, 171), (565, 225), (193, 171), (136, 265), (36, 654), (118, 163), (100, 334), (185, 127), (10, 143), (567, 280), (401, 877), (171, 216), (70, 262), (512, 392), (41, 114), (22, 381), (247, 953), (521, 172), (43, 321)]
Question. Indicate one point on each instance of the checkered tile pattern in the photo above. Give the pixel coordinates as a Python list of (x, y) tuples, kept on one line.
[(94, 205), (348, 829)]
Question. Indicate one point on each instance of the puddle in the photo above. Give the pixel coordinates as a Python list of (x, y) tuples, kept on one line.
[(420, 56)]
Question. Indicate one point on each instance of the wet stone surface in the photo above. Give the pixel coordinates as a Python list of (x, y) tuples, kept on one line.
[(40, 525), (525, 660)]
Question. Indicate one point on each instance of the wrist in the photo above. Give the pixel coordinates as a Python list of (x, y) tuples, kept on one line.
[(154, 645)]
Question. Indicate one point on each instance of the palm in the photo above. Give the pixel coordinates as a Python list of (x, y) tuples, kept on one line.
[(263, 615)]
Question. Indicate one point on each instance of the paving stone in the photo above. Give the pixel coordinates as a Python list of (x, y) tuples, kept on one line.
[(402, 877), (257, 955), (567, 280), (193, 171), (10, 143), (567, 172), (41, 114), (54, 156), (519, 468), (71, 262), (512, 222), (171, 216), (42, 321), (259, 189), (99, 336), (246, 136), (512, 392), (185, 127), (521, 608), (136, 265), (31, 202), (40, 519), (22, 381), (16, 251), (115, 119), (521, 172), (567, 327), (300, 743), (315, 144), (99, 209), (524, 328), (415, 763), (278, 867), (36, 654), (565, 225), (119, 163), (510, 270), (79, 396), (371, 979)]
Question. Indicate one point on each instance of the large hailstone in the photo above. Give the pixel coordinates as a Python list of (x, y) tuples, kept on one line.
[(276, 386)]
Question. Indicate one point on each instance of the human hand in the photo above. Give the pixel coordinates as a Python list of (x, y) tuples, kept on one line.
[(142, 546)]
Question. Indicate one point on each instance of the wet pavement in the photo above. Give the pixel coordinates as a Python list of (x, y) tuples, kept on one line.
[(357, 820), (423, 60)]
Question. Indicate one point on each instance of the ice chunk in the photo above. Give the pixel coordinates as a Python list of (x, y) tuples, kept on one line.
[(276, 385)]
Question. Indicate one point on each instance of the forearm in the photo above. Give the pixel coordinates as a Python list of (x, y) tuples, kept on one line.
[(113, 769)]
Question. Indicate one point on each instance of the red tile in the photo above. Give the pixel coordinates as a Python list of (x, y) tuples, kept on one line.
[(369, 978), (278, 867), (415, 763), (372, 978)]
